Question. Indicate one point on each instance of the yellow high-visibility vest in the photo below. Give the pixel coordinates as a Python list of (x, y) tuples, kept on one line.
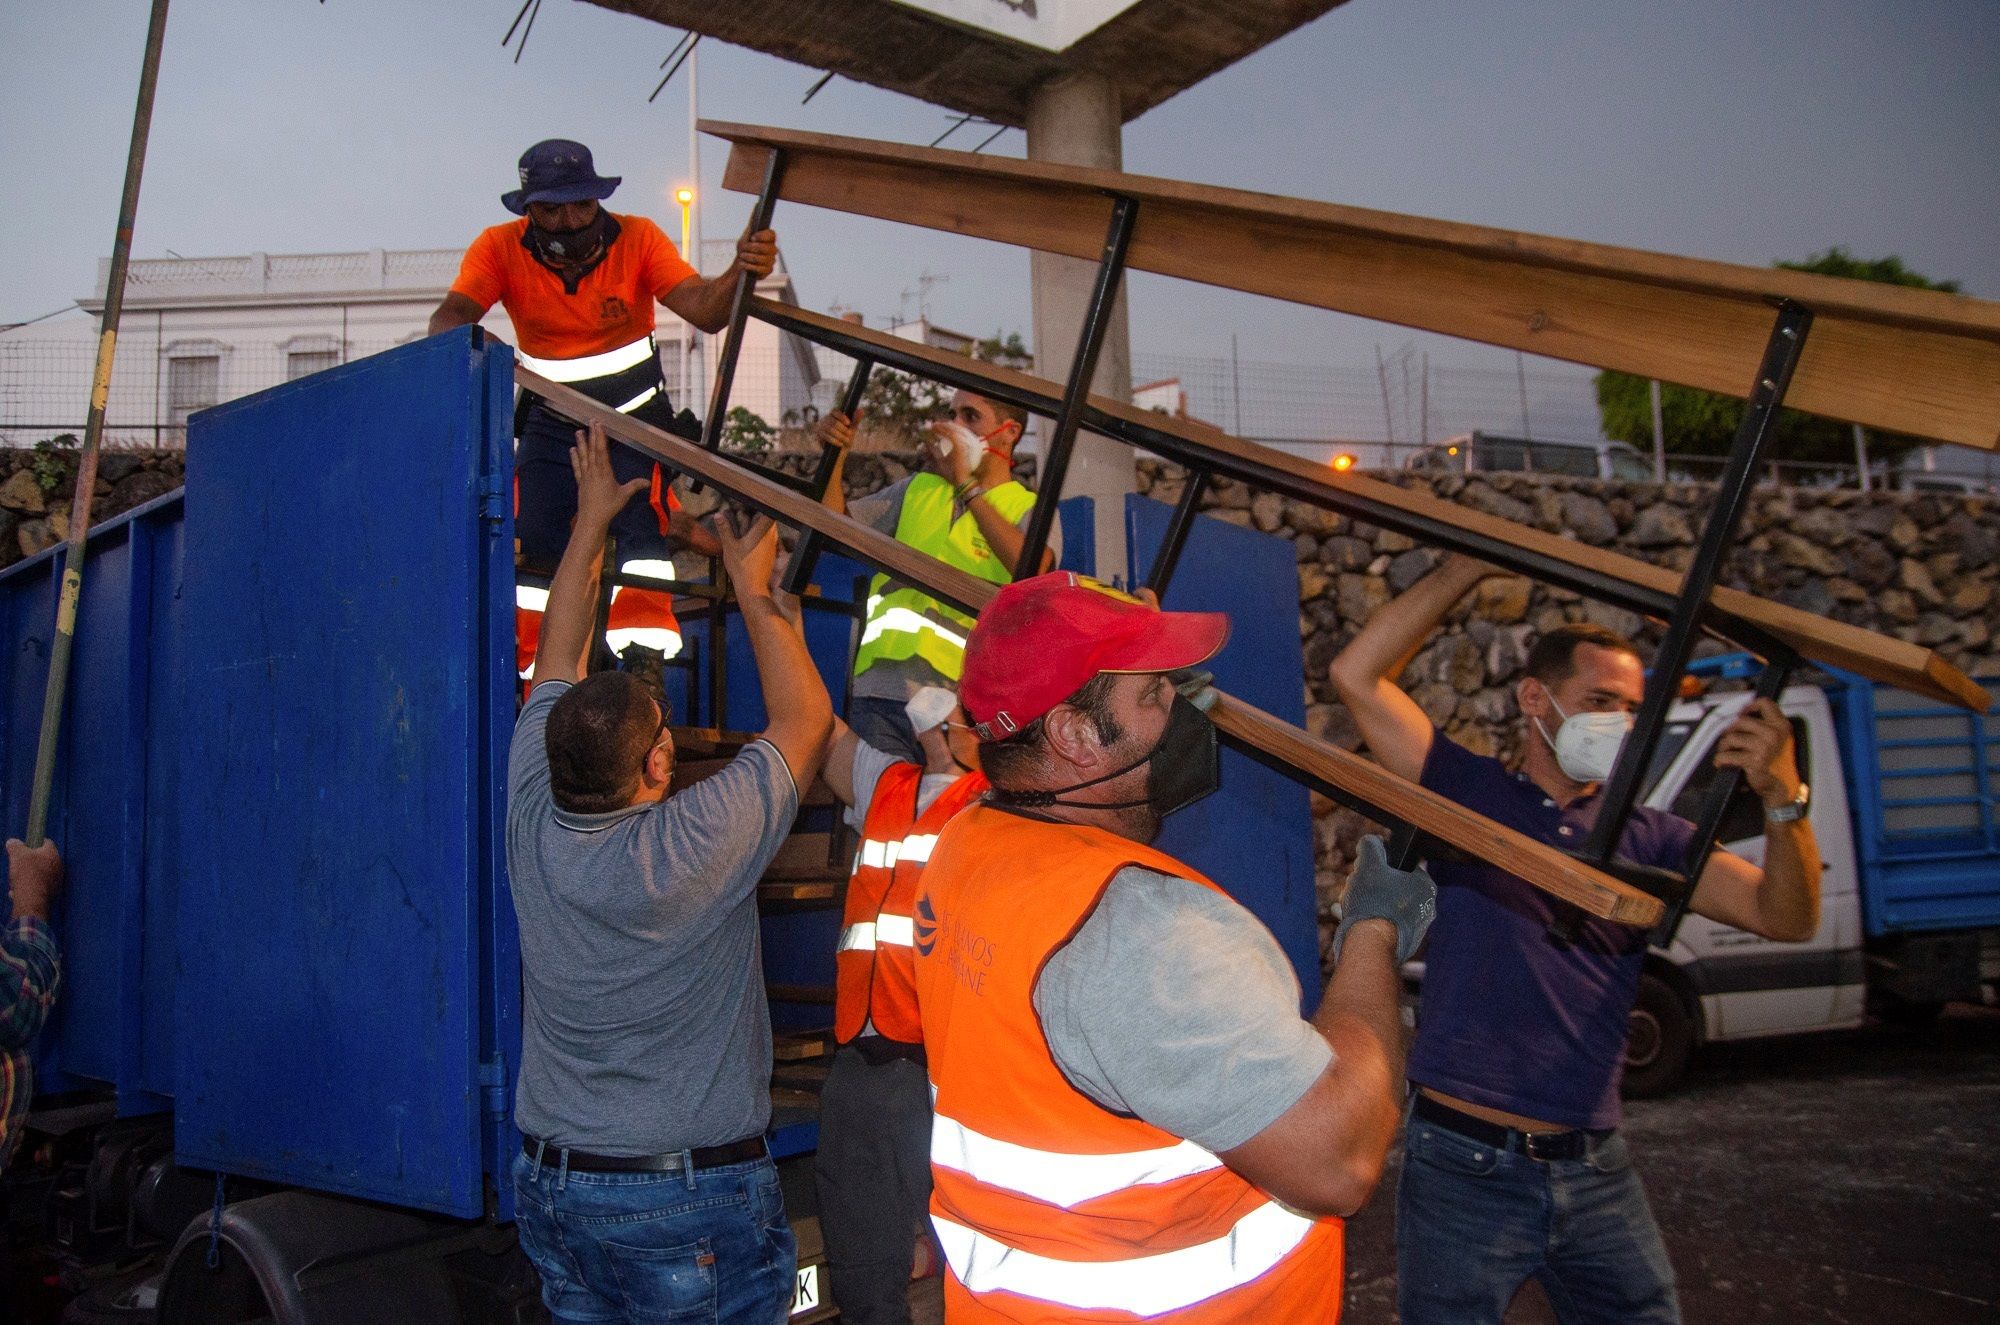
[(908, 623)]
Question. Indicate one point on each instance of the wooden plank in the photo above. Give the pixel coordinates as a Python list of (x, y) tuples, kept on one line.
[(1547, 869), (1459, 827), (791, 1046), (800, 892), (1913, 361), (804, 856), (1878, 657)]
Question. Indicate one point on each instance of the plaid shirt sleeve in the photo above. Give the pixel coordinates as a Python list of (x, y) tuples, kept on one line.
[(30, 975)]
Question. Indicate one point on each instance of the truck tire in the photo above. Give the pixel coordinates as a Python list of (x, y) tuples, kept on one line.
[(1659, 1039)]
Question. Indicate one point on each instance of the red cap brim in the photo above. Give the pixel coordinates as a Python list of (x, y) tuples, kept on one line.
[(1180, 639)]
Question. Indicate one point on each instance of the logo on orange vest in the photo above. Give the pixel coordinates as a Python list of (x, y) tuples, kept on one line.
[(926, 926), (612, 309)]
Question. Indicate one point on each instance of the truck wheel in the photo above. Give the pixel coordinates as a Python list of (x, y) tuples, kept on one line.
[(1659, 1037)]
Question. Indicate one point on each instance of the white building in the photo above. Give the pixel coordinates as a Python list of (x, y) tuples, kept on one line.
[(199, 331)]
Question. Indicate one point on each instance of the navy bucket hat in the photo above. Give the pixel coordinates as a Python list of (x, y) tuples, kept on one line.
[(558, 170)]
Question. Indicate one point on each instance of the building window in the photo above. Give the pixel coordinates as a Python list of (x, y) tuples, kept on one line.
[(193, 383), (303, 363)]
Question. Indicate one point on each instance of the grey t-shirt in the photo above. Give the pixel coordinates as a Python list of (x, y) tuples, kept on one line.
[(1209, 1044), (902, 678), (644, 1025)]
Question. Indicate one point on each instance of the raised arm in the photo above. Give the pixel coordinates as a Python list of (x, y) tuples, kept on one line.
[(800, 712), (572, 606), (705, 300), (1002, 535), (836, 430), (454, 310), (1782, 900), (1397, 731)]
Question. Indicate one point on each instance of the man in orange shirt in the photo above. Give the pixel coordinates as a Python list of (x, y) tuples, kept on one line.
[(579, 283)]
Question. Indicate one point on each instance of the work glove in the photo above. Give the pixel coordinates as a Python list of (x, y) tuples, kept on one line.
[(1406, 899)]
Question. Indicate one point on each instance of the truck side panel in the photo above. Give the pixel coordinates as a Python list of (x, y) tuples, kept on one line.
[(1926, 819), (341, 753)]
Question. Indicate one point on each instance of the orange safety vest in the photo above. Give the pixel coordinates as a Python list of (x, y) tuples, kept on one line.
[(644, 616), (1051, 1208), (875, 976)]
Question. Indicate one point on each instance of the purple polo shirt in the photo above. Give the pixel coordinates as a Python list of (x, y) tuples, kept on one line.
[(1512, 1019)]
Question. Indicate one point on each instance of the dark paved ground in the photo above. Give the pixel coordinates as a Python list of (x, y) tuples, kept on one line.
[(1826, 1180)]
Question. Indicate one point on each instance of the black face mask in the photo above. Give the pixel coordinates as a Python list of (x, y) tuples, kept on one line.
[(572, 254), (1186, 766)]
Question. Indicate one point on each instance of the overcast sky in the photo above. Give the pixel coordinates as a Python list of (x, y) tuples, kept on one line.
[(1739, 131)]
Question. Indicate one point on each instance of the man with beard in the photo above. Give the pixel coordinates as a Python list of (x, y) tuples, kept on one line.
[(579, 284), (1131, 1115)]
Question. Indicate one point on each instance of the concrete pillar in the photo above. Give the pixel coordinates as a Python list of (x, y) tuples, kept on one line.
[(1076, 120)]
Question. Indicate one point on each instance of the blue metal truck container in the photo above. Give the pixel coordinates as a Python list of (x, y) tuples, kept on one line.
[(1925, 796), (113, 803)]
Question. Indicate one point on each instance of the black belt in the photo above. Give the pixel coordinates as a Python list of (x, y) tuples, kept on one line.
[(701, 1157), (1543, 1146)]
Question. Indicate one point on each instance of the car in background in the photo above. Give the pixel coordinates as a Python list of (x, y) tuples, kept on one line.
[(1488, 453)]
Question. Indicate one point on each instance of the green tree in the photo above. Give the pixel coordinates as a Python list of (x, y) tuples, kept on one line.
[(747, 432), (902, 404), (1704, 423)]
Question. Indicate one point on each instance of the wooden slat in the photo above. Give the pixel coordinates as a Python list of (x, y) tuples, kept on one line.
[(804, 856), (1549, 870), (1877, 657), (1460, 828), (800, 892), (791, 1046), (1913, 361)]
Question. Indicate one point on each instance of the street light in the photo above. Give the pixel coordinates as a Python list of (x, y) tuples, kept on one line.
[(685, 197)]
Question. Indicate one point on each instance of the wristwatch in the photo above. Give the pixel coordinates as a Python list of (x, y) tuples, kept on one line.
[(1793, 810)]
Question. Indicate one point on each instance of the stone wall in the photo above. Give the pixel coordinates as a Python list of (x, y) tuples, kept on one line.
[(36, 488)]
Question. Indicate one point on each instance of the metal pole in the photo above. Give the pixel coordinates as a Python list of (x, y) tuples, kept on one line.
[(739, 307), (1521, 373), (805, 557), (1076, 394), (1178, 525), (1388, 416), (1236, 383), (698, 362), (93, 435), (1861, 455), (1659, 437), (1732, 497), (1715, 804)]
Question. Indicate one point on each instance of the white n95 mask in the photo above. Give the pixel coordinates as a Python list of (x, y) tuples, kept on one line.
[(1586, 745), (930, 706)]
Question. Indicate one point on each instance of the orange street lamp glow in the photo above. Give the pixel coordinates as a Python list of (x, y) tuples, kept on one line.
[(1343, 462), (685, 197)]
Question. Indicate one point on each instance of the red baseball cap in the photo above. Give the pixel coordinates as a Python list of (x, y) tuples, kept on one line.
[(1042, 639)]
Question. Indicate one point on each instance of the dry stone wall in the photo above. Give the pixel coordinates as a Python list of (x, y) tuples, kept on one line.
[(36, 488)]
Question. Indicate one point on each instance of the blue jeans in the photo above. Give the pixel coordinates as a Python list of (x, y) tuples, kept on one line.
[(712, 1246), (1474, 1223)]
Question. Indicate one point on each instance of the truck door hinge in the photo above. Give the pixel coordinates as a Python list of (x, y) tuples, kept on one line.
[(492, 504), (493, 1085)]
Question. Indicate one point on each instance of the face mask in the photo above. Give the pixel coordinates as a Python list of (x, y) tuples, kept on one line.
[(572, 253), (970, 444), (1186, 766), (929, 707), (1586, 744)]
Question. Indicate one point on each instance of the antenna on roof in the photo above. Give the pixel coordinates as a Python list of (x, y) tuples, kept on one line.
[(813, 91), (990, 137)]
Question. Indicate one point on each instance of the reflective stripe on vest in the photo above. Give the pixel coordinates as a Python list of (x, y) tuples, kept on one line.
[(1049, 1206), (1144, 1285), (904, 622), (590, 365), (874, 979), (1060, 1179), (624, 378)]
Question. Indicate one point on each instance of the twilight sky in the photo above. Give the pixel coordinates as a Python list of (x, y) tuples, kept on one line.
[(1738, 131)]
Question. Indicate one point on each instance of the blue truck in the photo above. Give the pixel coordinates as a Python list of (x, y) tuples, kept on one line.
[(284, 1056), (1906, 808)]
